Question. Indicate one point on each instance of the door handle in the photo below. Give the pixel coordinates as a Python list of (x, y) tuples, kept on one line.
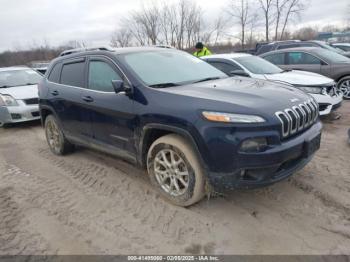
[(88, 99), (55, 93)]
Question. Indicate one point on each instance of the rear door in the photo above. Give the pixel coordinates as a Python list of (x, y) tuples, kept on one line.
[(297, 60), (112, 114), (66, 98)]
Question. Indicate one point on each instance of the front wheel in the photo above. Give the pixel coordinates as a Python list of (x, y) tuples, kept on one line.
[(344, 86), (175, 170), (58, 144)]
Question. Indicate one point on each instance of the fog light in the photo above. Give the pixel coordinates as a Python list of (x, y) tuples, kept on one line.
[(254, 145)]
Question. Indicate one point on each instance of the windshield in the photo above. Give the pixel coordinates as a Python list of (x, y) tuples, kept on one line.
[(333, 57), (257, 65), (23, 77), (170, 67)]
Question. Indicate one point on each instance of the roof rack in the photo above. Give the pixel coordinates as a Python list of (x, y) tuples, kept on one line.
[(78, 50)]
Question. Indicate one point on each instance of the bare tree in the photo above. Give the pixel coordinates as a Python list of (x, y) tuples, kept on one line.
[(267, 8), (279, 12), (294, 9), (240, 12), (121, 37)]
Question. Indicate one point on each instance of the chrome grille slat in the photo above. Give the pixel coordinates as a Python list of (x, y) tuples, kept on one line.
[(298, 117)]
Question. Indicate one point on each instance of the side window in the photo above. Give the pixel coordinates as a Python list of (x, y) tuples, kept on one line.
[(224, 67), (300, 58), (73, 74), (277, 59), (101, 75), (55, 74)]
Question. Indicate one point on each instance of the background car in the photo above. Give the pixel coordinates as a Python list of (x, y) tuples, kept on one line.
[(40, 66), (322, 88), (315, 60), (18, 95), (344, 46), (279, 45)]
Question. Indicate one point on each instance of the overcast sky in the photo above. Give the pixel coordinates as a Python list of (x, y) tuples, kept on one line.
[(25, 23)]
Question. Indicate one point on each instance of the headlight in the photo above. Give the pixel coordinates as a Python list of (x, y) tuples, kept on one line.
[(312, 90), (7, 100), (254, 145), (232, 118)]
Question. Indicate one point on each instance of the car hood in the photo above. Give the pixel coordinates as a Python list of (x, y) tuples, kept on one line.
[(21, 92), (300, 78), (242, 95)]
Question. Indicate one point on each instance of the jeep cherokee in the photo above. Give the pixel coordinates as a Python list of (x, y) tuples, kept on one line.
[(188, 124)]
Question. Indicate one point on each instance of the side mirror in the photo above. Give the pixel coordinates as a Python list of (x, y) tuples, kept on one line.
[(119, 86), (239, 73)]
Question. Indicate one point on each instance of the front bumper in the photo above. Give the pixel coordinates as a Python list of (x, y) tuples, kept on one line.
[(20, 113), (328, 103), (275, 164)]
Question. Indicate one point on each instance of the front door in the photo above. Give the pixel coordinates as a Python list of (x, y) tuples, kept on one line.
[(303, 61), (112, 117)]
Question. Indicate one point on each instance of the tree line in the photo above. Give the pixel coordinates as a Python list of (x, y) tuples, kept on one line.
[(182, 24)]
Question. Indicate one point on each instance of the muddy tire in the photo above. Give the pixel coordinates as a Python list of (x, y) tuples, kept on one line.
[(175, 170), (344, 86), (56, 140)]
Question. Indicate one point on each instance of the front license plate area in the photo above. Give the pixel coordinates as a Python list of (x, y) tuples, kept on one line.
[(312, 146)]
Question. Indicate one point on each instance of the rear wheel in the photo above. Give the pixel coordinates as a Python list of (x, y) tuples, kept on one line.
[(58, 144), (175, 170), (344, 86)]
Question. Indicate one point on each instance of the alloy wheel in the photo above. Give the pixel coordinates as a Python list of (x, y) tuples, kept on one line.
[(171, 172), (345, 88), (53, 136)]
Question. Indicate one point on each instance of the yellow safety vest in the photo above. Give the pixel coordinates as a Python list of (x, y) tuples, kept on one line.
[(204, 52)]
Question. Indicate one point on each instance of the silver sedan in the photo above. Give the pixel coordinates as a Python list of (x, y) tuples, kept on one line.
[(18, 95)]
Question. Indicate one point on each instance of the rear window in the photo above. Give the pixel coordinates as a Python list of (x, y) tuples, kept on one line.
[(55, 74), (73, 74)]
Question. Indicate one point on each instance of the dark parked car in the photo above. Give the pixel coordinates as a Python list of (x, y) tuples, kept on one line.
[(187, 123), (316, 60), (279, 45)]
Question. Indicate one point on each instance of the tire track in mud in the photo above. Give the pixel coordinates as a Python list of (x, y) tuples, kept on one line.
[(14, 239), (137, 212)]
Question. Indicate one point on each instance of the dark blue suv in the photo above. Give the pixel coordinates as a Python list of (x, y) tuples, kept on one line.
[(189, 125)]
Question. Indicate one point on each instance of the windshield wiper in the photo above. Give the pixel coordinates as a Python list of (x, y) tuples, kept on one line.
[(163, 85), (4, 86), (207, 79), (30, 84)]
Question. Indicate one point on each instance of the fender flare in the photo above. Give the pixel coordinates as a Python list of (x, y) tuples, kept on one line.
[(177, 130)]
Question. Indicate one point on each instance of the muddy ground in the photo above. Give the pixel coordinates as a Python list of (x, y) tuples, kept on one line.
[(91, 203)]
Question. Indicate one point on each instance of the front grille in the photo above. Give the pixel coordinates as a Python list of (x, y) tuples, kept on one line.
[(31, 101), (298, 118)]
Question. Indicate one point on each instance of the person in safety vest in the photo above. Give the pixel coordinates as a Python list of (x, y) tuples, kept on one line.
[(201, 50)]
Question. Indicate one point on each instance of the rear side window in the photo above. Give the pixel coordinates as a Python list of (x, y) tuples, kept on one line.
[(300, 58), (55, 74), (224, 67), (277, 59), (73, 74), (101, 76)]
